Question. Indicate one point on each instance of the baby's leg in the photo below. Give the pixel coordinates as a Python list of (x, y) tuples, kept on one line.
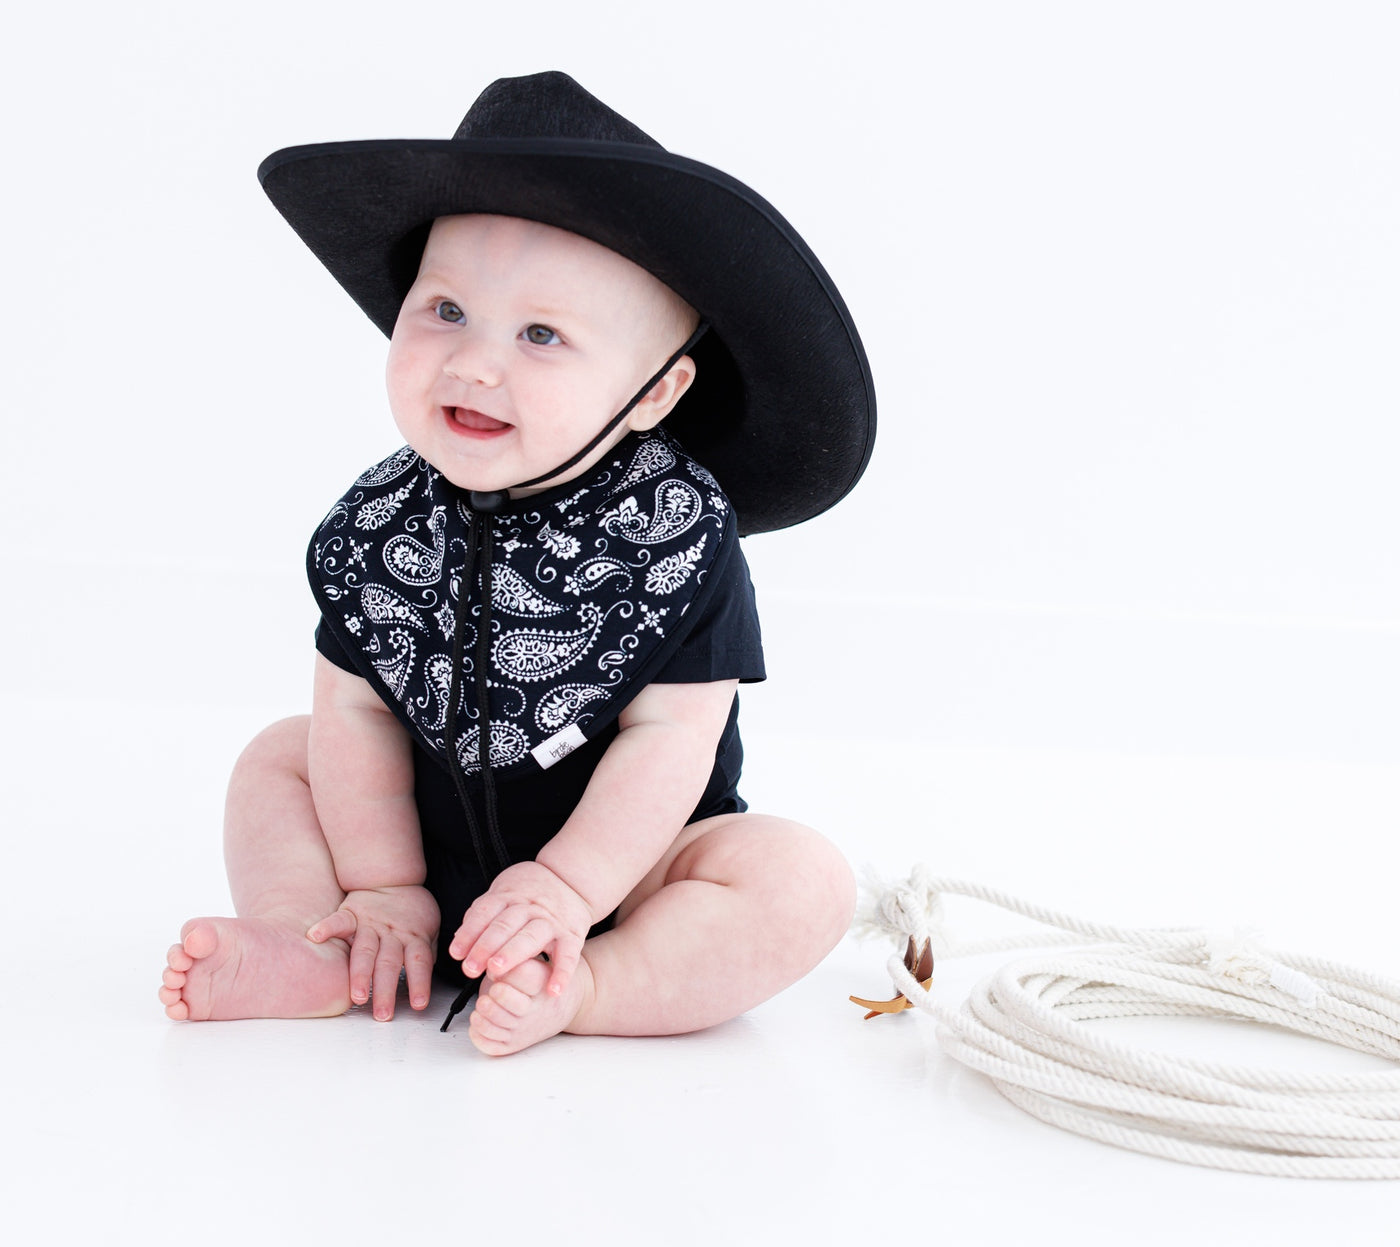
[(739, 908), (261, 964)]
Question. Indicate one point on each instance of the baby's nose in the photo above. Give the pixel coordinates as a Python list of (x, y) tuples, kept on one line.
[(474, 359)]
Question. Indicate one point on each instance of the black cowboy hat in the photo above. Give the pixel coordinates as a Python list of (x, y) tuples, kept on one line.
[(782, 409)]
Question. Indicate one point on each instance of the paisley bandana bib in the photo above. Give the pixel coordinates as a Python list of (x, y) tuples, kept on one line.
[(591, 585)]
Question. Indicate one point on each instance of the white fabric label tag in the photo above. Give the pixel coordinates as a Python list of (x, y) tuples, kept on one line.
[(560, 745)]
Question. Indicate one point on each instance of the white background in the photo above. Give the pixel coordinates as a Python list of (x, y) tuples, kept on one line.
[(1111, 620)]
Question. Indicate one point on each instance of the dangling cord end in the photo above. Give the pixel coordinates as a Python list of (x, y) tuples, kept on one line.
[(458, 1005)]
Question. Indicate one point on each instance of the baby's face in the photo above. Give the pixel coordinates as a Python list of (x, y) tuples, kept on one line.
[(517, 343)]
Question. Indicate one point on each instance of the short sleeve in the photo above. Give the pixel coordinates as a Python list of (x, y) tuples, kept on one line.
[(724, 642), (331, 649)]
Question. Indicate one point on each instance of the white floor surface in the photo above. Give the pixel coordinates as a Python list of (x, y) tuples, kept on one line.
[(796, 1123)]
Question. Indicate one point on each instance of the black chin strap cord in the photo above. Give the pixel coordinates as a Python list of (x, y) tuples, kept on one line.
[(621, 415), (484, 505)]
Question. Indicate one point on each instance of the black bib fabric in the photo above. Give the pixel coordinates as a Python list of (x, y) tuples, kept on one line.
[(594, 584)]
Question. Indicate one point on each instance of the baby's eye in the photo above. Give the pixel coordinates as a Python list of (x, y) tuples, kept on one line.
[(449, 311), (541, 335)]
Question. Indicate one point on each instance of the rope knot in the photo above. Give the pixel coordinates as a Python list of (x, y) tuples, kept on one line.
[(908, 910), (1237, 956)]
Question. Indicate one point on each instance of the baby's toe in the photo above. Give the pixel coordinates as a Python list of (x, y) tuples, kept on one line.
[(486, 1033), (488, 1015), (528, 978), (509, 998), (199, 940), (492, 1012), (178, 960)]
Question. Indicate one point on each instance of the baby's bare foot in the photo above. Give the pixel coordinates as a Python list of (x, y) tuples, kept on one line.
[(253, 968), (515, 1012)]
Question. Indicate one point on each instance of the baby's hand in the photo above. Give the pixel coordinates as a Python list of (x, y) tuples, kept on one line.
[(529, 910), (388, 929)]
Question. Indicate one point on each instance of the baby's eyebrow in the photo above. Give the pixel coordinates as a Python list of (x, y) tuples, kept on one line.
[(546, 311)]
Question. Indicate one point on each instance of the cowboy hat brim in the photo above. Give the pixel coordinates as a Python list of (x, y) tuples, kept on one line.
[(782, 410)]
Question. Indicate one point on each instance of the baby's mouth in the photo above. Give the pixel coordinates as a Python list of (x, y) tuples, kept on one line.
[(474, 421)]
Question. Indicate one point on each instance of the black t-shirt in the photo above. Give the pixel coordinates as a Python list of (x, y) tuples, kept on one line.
[(722, 642)]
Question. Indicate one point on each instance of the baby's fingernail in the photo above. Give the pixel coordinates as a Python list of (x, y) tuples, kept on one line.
[(420, 1002), (471, 968)]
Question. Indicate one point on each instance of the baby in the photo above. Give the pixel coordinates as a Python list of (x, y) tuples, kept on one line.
[(535, 615)]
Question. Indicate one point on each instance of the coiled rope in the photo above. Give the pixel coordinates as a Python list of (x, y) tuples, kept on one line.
[(1023, 1028)]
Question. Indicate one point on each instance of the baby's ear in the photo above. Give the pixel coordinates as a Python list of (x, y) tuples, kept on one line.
[(663, 396)]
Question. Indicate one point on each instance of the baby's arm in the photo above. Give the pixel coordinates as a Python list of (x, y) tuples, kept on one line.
[(361, 772), (645, 788)]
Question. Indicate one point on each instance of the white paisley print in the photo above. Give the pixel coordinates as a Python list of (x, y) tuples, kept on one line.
[(589, 585)]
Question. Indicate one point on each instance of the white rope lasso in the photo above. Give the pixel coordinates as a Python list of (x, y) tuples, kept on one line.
[(1022, 1027)]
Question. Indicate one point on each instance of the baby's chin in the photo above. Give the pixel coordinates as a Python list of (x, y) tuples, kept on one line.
[(471, 482), (469, 477)]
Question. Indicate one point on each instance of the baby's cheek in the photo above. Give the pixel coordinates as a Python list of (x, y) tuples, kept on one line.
[(403, 384), (397, 368)]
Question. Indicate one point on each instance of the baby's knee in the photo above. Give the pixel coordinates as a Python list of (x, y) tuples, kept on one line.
[(798, 874), (278, 748), (822, 873)]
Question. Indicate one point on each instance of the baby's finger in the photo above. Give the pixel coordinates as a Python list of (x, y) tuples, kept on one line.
[(563, 961), (482, 913), (526, 943), (362, 954), (502, 928), (418, 967), (386, 977), (337, 926)]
